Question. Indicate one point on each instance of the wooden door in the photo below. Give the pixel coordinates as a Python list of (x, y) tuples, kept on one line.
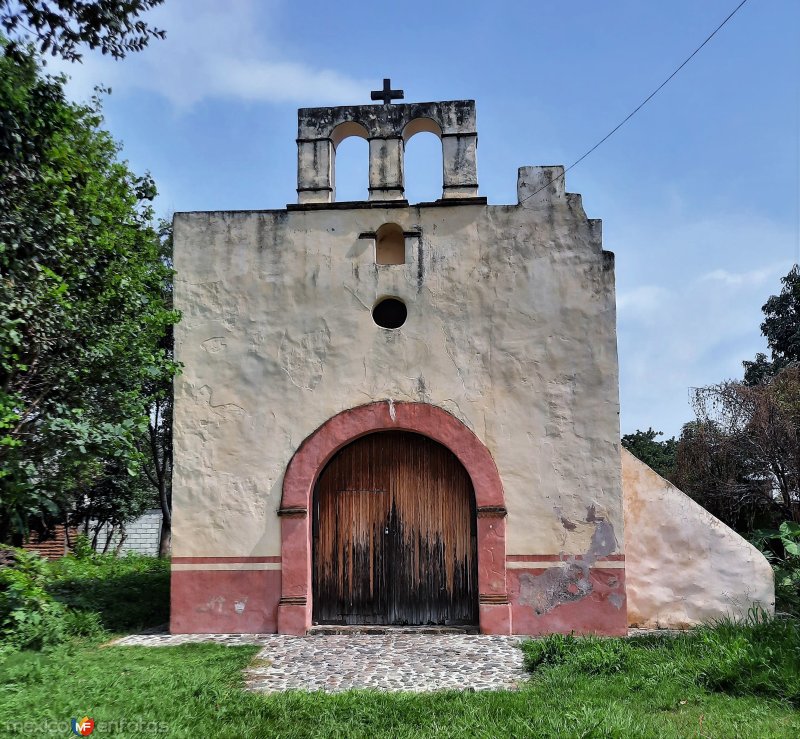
[(395, 535)]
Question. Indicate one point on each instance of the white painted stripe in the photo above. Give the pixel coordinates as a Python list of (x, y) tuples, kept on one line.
[(240, 566), (543, 563)]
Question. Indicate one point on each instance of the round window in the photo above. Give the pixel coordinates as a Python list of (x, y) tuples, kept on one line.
[(390, 313)]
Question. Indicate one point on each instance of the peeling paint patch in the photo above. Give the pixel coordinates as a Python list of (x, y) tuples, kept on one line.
[(565, 522), (215, 344), (616, 600), (572, 582), (554, 586), (213, 605), (303, 357), (226, 410)]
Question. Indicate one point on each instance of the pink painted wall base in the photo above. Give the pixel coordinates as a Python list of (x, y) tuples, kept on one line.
[(225, 601), (249, 602)]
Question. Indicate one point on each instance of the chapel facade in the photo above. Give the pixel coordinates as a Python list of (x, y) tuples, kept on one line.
[(407, 415)]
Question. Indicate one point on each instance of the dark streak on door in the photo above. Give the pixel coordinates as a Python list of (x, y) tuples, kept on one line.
[(395, 535)]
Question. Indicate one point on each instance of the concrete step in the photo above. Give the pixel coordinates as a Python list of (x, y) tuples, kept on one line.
[(327, 629)]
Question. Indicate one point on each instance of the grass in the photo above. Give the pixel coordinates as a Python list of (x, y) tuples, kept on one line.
[(760, 658), (701, 684), (727, 681)]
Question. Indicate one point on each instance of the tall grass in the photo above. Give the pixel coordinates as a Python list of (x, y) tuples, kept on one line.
[(760, 658)]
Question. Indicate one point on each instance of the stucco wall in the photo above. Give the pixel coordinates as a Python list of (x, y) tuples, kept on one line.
[(684, 566), (511, 328)]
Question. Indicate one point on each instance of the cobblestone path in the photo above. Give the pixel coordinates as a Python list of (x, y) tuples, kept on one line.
[(391, 662)]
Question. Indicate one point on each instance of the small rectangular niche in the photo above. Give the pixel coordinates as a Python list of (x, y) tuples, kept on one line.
[(390, 244)]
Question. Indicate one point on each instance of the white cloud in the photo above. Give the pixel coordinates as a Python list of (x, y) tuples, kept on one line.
[(642, 300), (214, 50), (736, 279), (690, 292)]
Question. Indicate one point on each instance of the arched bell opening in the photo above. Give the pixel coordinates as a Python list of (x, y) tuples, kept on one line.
[(350, 162), (423, 160)]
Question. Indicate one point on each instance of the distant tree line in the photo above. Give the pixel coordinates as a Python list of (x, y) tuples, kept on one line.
[(740, 456)]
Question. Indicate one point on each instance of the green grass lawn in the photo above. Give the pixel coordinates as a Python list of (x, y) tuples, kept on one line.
[(665, 687), (729, 681)]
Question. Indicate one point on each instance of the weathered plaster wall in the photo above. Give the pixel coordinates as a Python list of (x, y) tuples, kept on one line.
[(683, 565), (511, 328)]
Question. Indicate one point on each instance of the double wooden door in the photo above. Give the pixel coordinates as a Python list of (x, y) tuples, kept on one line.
[(395, 535)]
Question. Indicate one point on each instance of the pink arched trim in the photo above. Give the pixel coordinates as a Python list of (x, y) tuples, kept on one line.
[(294, 610)]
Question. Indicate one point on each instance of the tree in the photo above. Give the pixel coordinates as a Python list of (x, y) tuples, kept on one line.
[(781, 328), (711, 469), (110, 502), (741, 459), (83, 315), (658, 455), (61, 26), (156, 447)]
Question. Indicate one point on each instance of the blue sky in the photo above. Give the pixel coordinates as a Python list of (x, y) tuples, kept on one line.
[(699, 193)]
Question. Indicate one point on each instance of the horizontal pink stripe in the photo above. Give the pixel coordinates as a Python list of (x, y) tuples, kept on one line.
[(222, 560)]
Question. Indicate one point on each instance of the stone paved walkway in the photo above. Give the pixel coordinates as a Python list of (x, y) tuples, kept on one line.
[(390, 662)]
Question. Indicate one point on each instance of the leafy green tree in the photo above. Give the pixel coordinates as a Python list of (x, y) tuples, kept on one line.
[(62, 26), (781, 328), (83, 315), (658, 455), (156, 447)]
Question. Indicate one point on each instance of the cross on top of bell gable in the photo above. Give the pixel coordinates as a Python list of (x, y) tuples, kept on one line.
[(387, 94)]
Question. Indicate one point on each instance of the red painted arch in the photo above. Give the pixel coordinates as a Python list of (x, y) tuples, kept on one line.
[(294, 611)]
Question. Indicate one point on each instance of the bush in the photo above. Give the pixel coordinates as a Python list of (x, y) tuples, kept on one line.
[(85, 595), (782, 548), (29, 616), (126, 593), (787, 586), (82, 548)]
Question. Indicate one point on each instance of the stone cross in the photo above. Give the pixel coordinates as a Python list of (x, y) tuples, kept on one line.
[(387, 94)]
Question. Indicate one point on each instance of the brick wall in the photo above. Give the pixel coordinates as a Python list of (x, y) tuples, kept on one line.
[(143, 534), (51, 548)]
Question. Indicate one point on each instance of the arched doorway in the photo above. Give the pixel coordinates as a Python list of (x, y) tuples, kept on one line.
[(395, 535), (309, 461)]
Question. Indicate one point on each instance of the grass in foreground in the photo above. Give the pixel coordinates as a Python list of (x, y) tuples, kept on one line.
[(704, 684)]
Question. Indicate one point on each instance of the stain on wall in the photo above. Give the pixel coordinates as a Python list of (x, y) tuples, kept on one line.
[(571, 581)]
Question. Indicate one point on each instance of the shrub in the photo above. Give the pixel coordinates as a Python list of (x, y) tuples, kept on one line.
[(82, 547), (126, 593), (29, 616), (45, 603), (782, 548)]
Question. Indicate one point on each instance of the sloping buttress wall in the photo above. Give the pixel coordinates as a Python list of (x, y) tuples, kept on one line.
[(684, 566)]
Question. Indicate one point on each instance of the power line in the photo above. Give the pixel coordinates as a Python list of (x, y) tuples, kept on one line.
[(638, 108)]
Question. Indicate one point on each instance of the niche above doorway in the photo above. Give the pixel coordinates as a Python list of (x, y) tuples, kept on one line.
[(390, 244)]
